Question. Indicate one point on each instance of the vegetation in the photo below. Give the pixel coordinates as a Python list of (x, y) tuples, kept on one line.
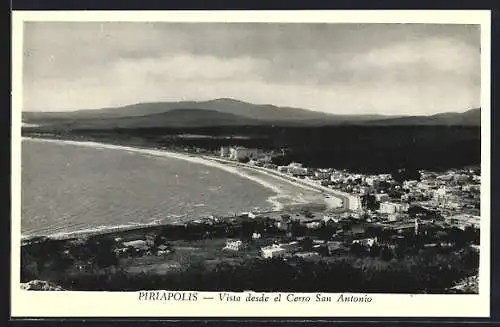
[(408, 266), (390, 148), (425, 272)]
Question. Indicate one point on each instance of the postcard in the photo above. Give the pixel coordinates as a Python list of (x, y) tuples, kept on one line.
[(250, 164)]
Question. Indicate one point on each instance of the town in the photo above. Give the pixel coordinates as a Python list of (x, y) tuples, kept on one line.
[(381, 217)]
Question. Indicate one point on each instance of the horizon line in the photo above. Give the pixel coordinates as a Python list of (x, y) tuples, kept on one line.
[(251, 103)]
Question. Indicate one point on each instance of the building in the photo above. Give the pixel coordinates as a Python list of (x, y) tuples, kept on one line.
[(137, 245), (370, 241), (319, 174), (283, 169), (233, 245), (240, 153), (224, 151), (331, 218), (295, 165), (162, 250), (464, 220), (297, 171), (273, 251), (306, 255), (393, 207), (354, 202), (256, 236), (382, 197), (150, 239), (440, 194), (312, 223), (410, 184)]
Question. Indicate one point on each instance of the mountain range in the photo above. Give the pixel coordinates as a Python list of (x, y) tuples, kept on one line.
[(228, 112)]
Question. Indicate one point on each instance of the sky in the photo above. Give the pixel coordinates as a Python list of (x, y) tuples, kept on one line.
[(394, 69)]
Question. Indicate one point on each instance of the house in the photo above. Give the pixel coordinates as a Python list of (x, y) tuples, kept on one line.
[(256, 236), (295, 165), (233, 245), (322, 174), (138, 244), (312, 223), (354, 202), (283, 169), (273, 251), (464, 220), (370, 241), (240, 153), (395, 216), (335, 247), (331, 218), (382, 197), (298, 171), (224, 151), (306, 255), (163, 249), (393, 207), (150, 239)]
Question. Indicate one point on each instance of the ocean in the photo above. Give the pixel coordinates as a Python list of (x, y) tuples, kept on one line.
[(69, 188)]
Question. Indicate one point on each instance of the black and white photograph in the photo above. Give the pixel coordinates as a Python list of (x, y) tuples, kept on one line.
[(328, 161)]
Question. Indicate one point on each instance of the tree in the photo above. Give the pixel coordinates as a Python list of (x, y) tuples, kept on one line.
[(102, 251), (306, 244), (247, 229), (405, 174), (370, 202), (386, 253), (357, 249)]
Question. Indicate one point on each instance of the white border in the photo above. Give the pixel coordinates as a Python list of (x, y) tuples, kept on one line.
[(100, 304)]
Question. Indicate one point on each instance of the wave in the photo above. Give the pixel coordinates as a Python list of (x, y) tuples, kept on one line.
[(169, 154)]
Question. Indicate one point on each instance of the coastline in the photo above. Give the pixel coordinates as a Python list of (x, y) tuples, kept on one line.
[(232, 168)]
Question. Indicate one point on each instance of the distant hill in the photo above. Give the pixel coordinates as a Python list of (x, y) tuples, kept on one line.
[(469, 118), (174, 118), (227, 112)]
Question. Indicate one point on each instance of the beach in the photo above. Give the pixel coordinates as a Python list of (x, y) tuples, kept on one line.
[(283, 192)]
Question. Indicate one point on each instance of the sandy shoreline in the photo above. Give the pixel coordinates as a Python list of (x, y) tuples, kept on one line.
[(274, 200)]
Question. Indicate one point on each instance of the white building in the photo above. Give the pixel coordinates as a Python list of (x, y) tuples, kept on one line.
[(239, 153), (440, 194), (305, 255), (327, 218), (393, 207), (283, 169), (224, 151), (256, 236), (464, 220), (354, 202), (410, 184), (295, 168), (370, 241), (136, 244), (369, 180), (295, 165), (382, 197), (395, 216), (313, 224), (273, 251), (322, 174), (233, 245)]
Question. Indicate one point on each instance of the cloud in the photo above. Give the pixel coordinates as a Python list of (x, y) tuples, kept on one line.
[(338, 68)]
